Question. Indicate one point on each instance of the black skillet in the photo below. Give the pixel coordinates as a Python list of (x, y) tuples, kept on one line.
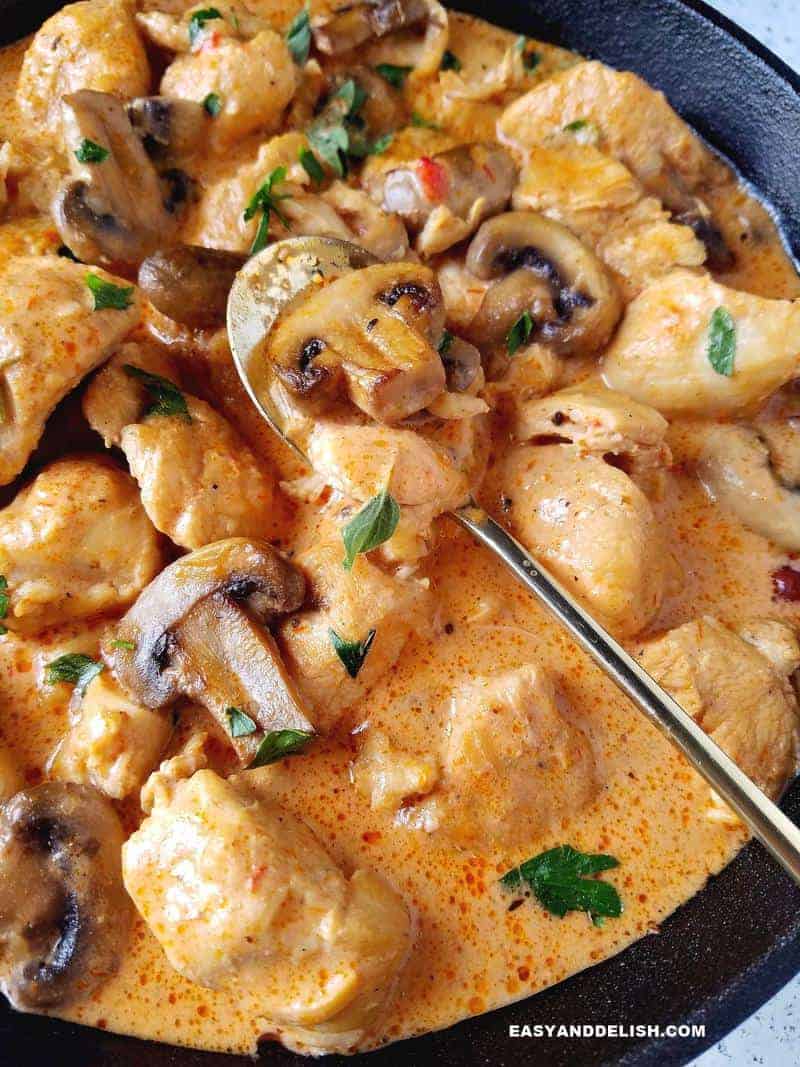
[(736, 943)]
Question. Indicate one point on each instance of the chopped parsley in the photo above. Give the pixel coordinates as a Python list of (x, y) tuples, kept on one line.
[(584, 131), (378, 147), (450, 61), (108, 295), (198, 21), (3, 602), (722, 341), (422, 123), (445, 343), (351, 653), (166, 396), (374, 524), (298, 37), (75, 669), (338, 131), (239, 722), (90, 152), (280, 743), (127, 646), (560, 882), (266, 201), (212, 104), (312, 166), (520, 333), (394, 75)]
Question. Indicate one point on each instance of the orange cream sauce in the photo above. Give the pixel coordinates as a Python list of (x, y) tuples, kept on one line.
[(471, 952)]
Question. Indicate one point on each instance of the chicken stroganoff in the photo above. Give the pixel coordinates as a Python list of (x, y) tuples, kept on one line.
[(284, 755)]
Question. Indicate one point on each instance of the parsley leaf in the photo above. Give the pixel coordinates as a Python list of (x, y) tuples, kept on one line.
[(450, 61), (74, 668), (422, 123), (3, 602), (351, 653), (311, 166), (333, 135), (198, 21), (445, 343), (212, 104), (90, 152), (108, 295), (520, 333), (239, 722), (558, 880), (377, 148), (127, 646), (280, 743), (374, 524), (166, 396), (266, 201), (298, 37), (584, 131), (392, 74), (722, 342)]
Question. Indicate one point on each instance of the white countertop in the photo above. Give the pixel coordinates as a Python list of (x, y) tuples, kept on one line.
[(771, 1037)]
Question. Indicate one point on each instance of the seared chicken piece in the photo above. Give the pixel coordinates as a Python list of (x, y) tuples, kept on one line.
[(592, 526), (239, 892), (508, 744), (74, 543), (386, 774), (93, 44), (199, 480), (661, 353), (114, 743), (739, 694), (50, 338), (254, 81), (351, 604)]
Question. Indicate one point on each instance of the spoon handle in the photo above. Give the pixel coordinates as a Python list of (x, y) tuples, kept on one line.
[(766, 821)]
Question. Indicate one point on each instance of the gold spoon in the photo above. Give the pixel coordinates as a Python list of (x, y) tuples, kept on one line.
[(265, 287)]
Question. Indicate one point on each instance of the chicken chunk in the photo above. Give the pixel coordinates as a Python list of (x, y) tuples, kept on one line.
[(114, 744), (75, 543), (51, 337), (93, 44), (199, 481), (386, 774), (239, 892), (254, 80), (509, 744), (741, 697), (661, 353), (351, 604), (590, 524)]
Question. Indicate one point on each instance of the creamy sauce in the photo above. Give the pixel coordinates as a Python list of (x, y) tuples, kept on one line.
[(471, 953)]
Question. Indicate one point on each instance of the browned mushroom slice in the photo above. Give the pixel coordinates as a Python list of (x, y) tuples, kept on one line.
[(113, 208), (353, 25), (168, 127), (199, 630), (370, 335), (189, 284), (541, 268), (64, 914)]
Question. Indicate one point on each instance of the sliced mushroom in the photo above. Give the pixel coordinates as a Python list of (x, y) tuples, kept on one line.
[(571, 297), (354, 25), (462, 366), (736, 469), (113, 210), (190, 284), (369, 335), (64, 914), (167, 126), (199, 630)]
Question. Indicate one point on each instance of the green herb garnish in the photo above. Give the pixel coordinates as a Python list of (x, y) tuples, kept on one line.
[(392, 74), (422, 123), (239, 722), (166, 396), (559, 880), (336, 133), (127, 646), (90, 152), (266, 201), (378, 147), (530, 60), (450, 61), (298, 37), (198, 21), (311, 166), (520, 333), (74, 668), (212, 104), (4, 601), (374, 524), (351, 653), (108, 295), (722, 341), (278, 744), (445, 343)]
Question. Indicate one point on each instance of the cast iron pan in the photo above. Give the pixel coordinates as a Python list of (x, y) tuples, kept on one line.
[(736, 943)]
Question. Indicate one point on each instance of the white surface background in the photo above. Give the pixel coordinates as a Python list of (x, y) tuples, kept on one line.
[(772, 1036)]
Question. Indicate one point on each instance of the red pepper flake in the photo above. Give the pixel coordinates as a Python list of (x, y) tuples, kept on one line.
[(434, 179), (371, 836), (786, 583)]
